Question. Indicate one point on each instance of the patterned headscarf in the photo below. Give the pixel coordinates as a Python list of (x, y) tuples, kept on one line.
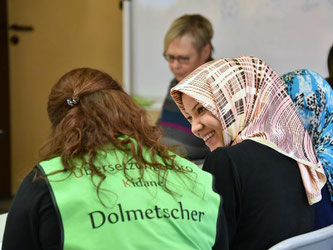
[(252, 102), (313, 97)]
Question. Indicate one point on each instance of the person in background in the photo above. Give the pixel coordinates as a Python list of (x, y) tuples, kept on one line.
[(106, 182), (187, 45), (262, 157), (313, 98), (329, 79)]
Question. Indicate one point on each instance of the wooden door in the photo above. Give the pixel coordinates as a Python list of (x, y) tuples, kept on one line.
[(66, 35)]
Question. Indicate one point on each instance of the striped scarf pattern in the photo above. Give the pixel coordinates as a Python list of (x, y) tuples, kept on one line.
[(251, 102)]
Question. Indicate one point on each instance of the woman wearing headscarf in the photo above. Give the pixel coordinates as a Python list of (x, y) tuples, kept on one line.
[(263, 159), (312, 96), (106, 182)]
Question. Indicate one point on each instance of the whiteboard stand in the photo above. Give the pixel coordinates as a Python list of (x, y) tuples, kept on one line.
[(127, 48)]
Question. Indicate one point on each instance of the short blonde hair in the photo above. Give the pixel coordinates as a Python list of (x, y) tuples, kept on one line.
[(197, 26)]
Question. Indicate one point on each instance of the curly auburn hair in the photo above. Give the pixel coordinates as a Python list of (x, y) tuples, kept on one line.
[(103, 115)]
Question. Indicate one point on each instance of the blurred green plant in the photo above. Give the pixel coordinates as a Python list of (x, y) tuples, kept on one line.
[(143, 102)]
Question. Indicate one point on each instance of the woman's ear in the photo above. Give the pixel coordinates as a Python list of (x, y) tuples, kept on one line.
[(206, 51)]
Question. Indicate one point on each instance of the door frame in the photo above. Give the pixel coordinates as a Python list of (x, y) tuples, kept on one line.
[(5, 170)]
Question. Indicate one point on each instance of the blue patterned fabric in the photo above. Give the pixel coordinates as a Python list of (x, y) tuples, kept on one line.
[(312, 95)]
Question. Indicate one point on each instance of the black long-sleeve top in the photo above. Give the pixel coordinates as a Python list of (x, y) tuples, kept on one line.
[(264, 196)]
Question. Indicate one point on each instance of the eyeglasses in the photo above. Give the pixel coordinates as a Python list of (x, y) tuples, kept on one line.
[(180, 59)]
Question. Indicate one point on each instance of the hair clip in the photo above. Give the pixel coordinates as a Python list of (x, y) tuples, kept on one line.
[(72, 101)]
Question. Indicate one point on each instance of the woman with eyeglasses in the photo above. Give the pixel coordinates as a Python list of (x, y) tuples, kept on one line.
[(187, 45)]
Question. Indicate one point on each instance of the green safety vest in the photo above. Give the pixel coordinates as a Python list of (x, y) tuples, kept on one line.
[(137, 214)]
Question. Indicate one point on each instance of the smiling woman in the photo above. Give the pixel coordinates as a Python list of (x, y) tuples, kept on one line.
[(204, 124), (241, 109)]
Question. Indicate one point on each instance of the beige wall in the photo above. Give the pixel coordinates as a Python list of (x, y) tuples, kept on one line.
[(153, 115), (68, 34)]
